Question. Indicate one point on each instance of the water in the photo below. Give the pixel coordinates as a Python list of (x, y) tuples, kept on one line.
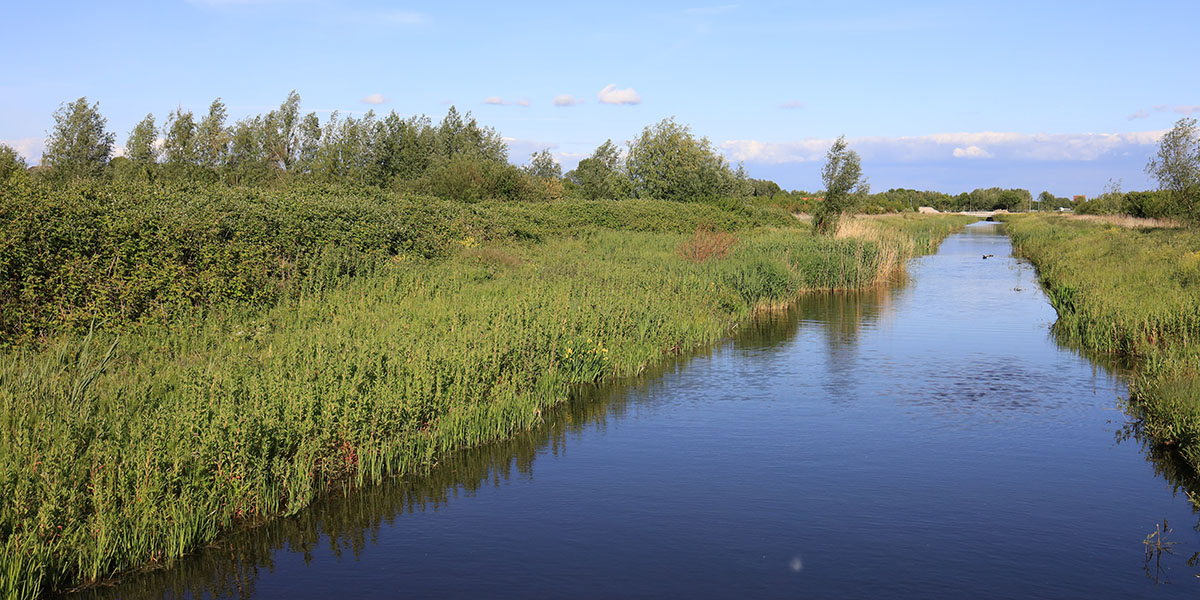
[(930, 440)]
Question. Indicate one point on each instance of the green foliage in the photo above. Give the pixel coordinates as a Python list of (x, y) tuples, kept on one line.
[(842, 177), (1176, 167), (180, 150), (667, 162), (1147, 205), (78, 146), (141, 147), (212, 137)]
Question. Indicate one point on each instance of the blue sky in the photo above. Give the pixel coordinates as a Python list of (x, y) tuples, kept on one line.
[(938, 95)]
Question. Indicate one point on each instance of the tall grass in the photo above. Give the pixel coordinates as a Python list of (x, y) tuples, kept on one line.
[(132, 450), (1130, 290)]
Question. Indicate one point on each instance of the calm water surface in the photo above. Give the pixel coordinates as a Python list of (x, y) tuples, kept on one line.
[(926, 441)]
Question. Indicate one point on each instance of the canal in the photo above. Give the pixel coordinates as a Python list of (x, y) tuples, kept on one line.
[(927, 440)]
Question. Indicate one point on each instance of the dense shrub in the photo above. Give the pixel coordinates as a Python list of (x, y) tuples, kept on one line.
[(1148, 205)]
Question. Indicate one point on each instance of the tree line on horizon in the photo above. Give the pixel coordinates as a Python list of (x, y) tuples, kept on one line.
[(457, 158)]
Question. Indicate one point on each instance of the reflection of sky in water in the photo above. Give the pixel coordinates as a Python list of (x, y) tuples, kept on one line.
[(925, 441)]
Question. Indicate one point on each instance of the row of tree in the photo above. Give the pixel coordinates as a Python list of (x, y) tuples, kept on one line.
[(366, 150), (455, 157)]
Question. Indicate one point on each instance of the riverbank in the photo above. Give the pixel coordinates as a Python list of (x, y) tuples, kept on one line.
[(1131, 289), (132, 446)]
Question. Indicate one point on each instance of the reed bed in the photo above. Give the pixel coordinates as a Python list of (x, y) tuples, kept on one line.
[(128, 447), (1133, 291)]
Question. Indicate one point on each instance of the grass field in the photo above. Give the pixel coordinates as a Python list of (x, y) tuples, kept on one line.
[(133, 444)]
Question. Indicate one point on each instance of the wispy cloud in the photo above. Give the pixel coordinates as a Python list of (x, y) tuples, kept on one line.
[(792, 105), (375, 99), (612, 95), (972, 152), (523, 102), (567, 100), (1183, 110), (941, 146), (493, 100)]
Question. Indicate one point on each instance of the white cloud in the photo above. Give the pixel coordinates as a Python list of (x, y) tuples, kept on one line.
[(611, 95), (792, 104), (1187, 110), (523, 102), (940, 146), (567, 100), (776, 152), (972, 152), (375, 99), (493, 100), (29, 148), (1141, 114)]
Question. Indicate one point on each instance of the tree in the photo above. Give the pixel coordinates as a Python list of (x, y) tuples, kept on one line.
[(78, 146), (282, 132), (667, 162), (842, 176), (541, 164), (212, 138), (141, 152), (141, 147), (1046, 199), (599, 176), (179, 139), (1177, 168), (461, 134), (248, 161)]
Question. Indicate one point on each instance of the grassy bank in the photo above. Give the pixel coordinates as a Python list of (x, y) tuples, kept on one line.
[(1132, 288), (134, 444)]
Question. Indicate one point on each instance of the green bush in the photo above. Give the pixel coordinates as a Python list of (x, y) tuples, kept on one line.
[(1148, 205)]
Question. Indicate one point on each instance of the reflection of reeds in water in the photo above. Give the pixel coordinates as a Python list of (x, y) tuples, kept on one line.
[(348, 520)]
